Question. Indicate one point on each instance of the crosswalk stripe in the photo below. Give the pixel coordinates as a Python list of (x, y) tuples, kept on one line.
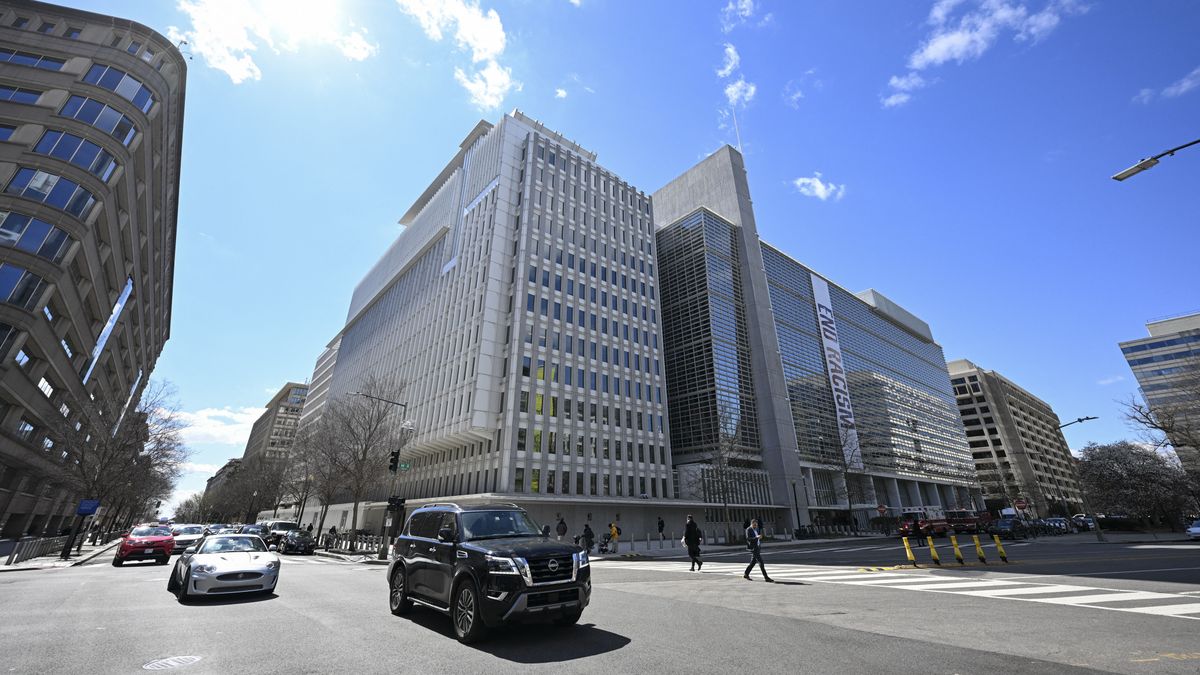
[(960, 584), (1167, 610), (1107, 597), (1034, 590)]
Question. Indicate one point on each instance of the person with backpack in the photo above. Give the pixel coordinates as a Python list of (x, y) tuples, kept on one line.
[(589, 537), (561, 529), (754, 544), (614, 533)]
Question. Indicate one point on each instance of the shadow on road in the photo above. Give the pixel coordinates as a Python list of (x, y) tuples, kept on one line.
[(531, 642), (230, 599)]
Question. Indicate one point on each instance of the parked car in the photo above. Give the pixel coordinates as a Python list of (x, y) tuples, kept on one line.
[(259, 530), (276, 529), (297, 541), (1193, 531), (145, 542), (219, 528), (186, 535), (223, 564), (1009, 528), (485, 565), (1067, 526)]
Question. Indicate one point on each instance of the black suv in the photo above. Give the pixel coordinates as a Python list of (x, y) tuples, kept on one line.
[(485, 565)]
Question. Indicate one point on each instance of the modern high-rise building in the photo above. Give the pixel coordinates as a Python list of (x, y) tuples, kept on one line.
[(318, 385), (274, 431), (814, 403), (519, 308), (91, 124), (1167, 367), (1014, 436)]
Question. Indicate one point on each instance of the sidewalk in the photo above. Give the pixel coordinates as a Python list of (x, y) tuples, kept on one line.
[(1126, 538), (671, 548), (52, 561)]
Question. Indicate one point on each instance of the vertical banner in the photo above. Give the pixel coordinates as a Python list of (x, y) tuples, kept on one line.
[(834, 367)]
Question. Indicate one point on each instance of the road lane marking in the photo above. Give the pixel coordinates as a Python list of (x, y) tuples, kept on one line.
[(959, 584), (1166, 610), (1107, 597), (1034, 590)]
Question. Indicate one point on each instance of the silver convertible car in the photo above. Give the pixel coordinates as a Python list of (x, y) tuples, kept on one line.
[(225, 564)]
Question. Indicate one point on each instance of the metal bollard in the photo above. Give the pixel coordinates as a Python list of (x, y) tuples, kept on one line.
[(908, 550), (979, 549), (957, 552), (1000, 548), (933, 552)]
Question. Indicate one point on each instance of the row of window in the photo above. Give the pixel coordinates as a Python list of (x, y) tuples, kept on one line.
[(102, 116), (56, 191), (602, 485), (30, 59), (78, 151), (603, 353), (549, 406), (46, 27), (19, 95), (595, 448), (1157, 344), (1160, 358), (33, 235), (127, 86), (19, 287), (588, 320), (583, 379)]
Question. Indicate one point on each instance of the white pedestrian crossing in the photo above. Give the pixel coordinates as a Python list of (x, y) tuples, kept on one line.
[(1026, 589)]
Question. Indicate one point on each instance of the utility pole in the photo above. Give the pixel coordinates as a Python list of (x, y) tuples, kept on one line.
[(1088, 513), (395, 466)]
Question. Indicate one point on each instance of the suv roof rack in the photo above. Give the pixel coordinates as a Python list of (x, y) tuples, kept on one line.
[(450, 504)]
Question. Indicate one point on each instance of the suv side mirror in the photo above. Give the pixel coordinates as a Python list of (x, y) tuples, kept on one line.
[(445, 535), (189, 550)]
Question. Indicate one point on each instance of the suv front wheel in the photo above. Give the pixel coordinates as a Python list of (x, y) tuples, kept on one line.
[(464, 612), (398, 600)]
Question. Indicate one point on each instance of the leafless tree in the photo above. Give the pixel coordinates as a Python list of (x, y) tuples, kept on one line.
[(1174, 421), (1132, 479)]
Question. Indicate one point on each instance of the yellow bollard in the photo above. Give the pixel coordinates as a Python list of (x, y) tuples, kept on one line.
[(1000, 548), (957, 551), (933, 552), (979, 549), (908, 549)]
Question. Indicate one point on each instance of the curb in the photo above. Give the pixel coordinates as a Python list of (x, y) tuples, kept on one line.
[(23, 569), (96, 553)]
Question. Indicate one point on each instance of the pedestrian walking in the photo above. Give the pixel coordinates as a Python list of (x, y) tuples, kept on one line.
[(661, 525), (310, 528), (754, 543), (692, 538), (561, 529), (331, 538), (614, 534), (589, 537)]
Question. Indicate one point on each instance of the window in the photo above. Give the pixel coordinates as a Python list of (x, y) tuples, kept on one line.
[(99, 115), (108, 328), (20, 22), (73, 33), (6, 132), (31, 60), (50, 189), (46, 387), (128, 86), (21, 358), (519, 480), (25, 429), (134, 47), (46, 27), (19, 95), (19, 287), (78, 151)]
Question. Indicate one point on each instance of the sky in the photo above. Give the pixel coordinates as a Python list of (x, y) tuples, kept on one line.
[(954, 155)]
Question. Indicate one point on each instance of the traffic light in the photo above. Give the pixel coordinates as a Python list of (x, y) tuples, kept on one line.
[(394, 462), (395, 503)]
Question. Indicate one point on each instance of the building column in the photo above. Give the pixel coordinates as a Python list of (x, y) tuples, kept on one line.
[(15, 478), (893, 493)]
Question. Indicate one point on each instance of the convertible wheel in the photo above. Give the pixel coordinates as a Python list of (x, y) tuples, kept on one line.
[(398, 600), (468, 626), (184, 596)]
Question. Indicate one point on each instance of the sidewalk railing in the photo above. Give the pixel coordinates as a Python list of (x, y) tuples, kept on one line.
[(365, 543), (33, 548)]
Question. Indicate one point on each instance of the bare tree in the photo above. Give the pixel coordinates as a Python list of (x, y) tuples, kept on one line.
[(1131, 479), (1174, 420)]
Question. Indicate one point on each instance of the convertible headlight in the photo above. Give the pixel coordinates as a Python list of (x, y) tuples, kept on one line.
[(498, 565), (582, 559), (204, 569)]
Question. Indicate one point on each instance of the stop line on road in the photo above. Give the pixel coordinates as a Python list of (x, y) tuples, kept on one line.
[(1173, 605)]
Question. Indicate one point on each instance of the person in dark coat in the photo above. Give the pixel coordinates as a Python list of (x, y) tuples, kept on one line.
[(692, 538), (589, 537), (661, 525), (561, 529), (753, 542)]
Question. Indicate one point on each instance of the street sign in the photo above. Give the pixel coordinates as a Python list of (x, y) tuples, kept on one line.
[(87, 507), (881, 509), (405, 466), (1020, 504)]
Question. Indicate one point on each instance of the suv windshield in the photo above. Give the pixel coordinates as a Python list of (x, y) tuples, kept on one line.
[(299, 534), (494, 524), (232, 544), (284, 526), (150, 532)]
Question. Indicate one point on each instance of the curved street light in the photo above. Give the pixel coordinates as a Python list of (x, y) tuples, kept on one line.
[(1150, 162)]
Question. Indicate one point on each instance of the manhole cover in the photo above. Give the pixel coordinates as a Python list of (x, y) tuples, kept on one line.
[(171, 662)]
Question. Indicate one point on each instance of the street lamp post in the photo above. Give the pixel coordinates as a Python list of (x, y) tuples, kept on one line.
[(1082, 493), (1149, 163), (407, 430)]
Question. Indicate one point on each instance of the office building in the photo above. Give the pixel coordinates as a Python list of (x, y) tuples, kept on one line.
[(519, 307), (274, 431), (1167, 367), (91, 123), (823, 404), (1019, 450)]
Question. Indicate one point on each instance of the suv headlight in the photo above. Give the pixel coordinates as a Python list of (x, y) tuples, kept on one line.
[(204, 569), (582, 559), (498, 565)]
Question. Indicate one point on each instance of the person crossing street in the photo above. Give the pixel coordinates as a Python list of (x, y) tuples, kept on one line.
[(754, 543)]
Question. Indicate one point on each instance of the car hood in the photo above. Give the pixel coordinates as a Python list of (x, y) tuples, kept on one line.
[(522, 547), (235, 560)]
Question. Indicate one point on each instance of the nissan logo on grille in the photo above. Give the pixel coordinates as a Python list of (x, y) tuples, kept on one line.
[(552, 565)]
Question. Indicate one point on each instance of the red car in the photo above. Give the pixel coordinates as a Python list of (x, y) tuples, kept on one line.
[(145, 542)]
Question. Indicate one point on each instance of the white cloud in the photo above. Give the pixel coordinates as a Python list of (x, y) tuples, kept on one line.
[(1144, 96), (222, 426), (1184, 85), (740, 92), (974, 32), (560, 93), (225, 34), (476, 31), (575, 2), (193, 467), (815, 187), (736, 13), (1110, 380), (793, 91), (731, 61)]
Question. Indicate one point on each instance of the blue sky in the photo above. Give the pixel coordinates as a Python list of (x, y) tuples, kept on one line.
[(953, 155)]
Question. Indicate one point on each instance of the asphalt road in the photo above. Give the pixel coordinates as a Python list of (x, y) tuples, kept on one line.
[(647, 615)]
